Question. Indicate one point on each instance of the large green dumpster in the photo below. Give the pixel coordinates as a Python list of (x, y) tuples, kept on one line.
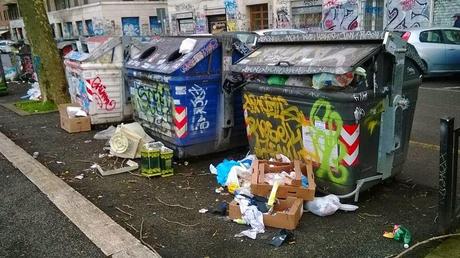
[(356, 135)]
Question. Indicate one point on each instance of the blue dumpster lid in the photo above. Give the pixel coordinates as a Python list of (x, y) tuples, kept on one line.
[(162, 55), (298, 59), (92, 48)]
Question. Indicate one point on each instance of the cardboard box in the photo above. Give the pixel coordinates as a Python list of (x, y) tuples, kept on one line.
[(261, 188), (280, 218), (75, 124)]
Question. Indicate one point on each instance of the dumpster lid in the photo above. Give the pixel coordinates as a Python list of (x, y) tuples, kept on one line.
[(162, 55), (93, 47), (299, 59)]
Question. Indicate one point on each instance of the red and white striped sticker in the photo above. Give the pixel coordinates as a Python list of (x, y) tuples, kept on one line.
[(180, 121), (349, 136)]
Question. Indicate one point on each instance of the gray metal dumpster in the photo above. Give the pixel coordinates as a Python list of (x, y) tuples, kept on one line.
[(356, 135)]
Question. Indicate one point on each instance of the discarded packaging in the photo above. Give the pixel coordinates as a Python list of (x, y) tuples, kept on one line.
[(295, 189), (127, 141), (286, 213), (35, 155), (203, 211), (150, 159), (131, 165), (327, 205), (400, 234), (73, 124), (105, 134), (187, 46), (80, 177)]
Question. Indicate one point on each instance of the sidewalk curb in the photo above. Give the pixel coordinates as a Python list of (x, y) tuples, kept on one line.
[(105, 233)]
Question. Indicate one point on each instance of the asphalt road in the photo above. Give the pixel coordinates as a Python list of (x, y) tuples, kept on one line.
[(31, 226), (438, 97)]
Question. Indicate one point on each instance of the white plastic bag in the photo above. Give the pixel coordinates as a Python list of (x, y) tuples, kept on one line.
[(105, 134), (187, 46), (327, 205)]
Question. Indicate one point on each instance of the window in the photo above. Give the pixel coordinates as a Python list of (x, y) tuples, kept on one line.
[(431, 36), (451, 36), (79, 27), (53, 31), (69, 29), (85, 1), (258, 16), (75, 3), (89, 27), (5, 13)]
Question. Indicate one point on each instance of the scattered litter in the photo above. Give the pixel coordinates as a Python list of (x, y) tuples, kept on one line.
[(281, 237), (327, 205), (219, 190), (87, 141), (252, 216), (400, 234), (105, 134), (74, 111), (185, 163), (35, 154), (221, 209), (80, 177), (213, 169), (59, 162), (127, 141), (33, 93), (102, 155), (132, 166), (99, 196), (203, 211)]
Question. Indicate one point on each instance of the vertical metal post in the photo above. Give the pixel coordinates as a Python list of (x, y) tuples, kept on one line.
[(445, 173)]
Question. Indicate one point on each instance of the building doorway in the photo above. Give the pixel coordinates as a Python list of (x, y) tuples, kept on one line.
[(258, 16)]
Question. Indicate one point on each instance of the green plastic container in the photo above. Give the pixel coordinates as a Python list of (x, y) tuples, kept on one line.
[(150, 159), (166, 155)]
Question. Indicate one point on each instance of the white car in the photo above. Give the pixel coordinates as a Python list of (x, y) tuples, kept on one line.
[(5, 46), (270, 32)]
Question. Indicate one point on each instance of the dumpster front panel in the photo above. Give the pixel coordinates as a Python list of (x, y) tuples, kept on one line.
[(342, 149), (181, 112), (98, 92)]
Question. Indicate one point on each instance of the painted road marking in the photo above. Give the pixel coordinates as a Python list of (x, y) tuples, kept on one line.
[(451, 89), (105, 233)]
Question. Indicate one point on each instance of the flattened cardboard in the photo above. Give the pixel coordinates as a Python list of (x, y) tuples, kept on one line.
[(259, 187), (287, 220), (75, 124)]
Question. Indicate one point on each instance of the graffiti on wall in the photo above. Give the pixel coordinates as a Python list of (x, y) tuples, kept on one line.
[(201, 23), (130, 26), (153, 103), (231, 9), (403, 14), (198, 120), (97, 89), (275, 126), (340, 15), (283, 19)]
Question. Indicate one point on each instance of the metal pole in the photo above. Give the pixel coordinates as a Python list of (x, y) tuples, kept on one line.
[(445, 173)]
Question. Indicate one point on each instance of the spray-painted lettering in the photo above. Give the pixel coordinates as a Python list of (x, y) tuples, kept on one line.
[(199, 121), (97, 89)]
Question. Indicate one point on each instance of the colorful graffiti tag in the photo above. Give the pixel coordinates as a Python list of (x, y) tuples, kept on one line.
[(275, 126), (402, 14), (130, 26), (199, 122), (153, 103), (97, 89), (340, 15), (211, 46)]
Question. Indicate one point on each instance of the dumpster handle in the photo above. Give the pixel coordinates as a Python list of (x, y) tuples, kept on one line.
[(283, 63)]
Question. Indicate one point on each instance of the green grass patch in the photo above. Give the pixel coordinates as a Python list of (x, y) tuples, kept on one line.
[(35, 106)]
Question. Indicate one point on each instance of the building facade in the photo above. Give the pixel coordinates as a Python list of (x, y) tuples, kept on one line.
[(195, 16), (74, 18)]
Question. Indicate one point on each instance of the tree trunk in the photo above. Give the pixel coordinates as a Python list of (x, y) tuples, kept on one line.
[(51, 76)]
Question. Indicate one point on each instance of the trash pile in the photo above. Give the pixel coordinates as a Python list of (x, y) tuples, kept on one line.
[(129, 141), (357, 78), (272, 193)]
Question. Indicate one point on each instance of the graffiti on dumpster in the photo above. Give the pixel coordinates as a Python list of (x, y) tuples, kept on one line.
[(340, 15), (211, 46), (97, 89), (199, 122), (81, 95), (372, 120), (275, 126), (402, 14), (153, 103)]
